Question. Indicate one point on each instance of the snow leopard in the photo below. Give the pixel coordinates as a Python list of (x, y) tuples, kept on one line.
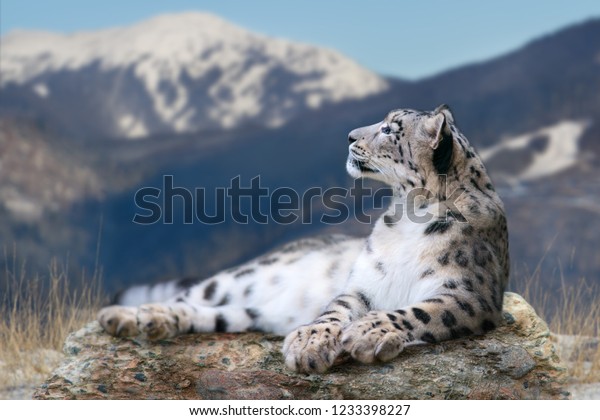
[(434, 267)]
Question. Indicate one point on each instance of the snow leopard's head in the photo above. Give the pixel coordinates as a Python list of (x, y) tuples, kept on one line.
[(407, 147)]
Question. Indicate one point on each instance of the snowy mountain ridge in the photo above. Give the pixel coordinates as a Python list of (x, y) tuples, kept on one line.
[(197, 70)]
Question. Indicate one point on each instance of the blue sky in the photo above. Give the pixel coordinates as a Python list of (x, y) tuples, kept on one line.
[(409, 39)]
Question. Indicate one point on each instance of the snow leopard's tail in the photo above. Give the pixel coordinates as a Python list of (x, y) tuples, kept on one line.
[(151, 293)]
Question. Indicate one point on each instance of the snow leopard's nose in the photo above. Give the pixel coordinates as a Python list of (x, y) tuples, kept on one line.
[(353, 136)]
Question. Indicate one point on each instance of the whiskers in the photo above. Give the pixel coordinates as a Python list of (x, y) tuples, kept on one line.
[(371, 163), (382, 168)]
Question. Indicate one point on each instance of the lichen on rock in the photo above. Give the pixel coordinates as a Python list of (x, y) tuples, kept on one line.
[(516, 361)]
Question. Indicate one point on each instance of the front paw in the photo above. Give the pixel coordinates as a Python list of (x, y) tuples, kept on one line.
[(120, 321), (372, 338), (312, 348)]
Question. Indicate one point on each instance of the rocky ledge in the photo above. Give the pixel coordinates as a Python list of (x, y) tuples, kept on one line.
[(516, 361)]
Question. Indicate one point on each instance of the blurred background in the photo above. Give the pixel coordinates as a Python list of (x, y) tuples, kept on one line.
[(100, 99)]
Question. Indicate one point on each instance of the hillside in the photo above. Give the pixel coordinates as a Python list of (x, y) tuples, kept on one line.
[(533, 114)]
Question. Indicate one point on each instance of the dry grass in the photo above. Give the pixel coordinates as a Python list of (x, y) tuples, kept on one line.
[(37, 315), (572, 311)]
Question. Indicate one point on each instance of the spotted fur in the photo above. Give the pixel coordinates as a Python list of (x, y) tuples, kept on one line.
[(434, 267)]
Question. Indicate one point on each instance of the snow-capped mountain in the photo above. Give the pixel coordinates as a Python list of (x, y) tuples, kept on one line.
[(533, 114), (173, 73), (536, 155)]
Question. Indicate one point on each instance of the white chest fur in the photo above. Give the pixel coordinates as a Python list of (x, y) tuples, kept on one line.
[(390, 268)]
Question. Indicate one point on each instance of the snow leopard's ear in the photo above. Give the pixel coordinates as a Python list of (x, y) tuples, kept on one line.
[(437, 127), (445, 109)]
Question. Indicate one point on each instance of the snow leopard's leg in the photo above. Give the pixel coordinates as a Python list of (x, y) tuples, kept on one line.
[(382, 335), (314, 347), (166, 320), (191, 305)]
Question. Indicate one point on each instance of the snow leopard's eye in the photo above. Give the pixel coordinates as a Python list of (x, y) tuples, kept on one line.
[(385, 129)]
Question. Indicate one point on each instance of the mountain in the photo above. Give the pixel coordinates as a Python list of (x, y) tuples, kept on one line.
[(533, 114), (172, 74)]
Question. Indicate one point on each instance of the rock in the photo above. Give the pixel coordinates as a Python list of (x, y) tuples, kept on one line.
[(516, 361)]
